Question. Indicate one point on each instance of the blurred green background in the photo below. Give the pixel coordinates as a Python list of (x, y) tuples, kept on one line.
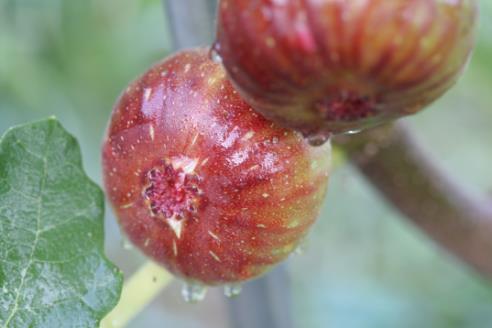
[(364, 266)]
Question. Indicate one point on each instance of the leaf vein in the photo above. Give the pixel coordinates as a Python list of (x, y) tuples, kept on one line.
[(34, 245)]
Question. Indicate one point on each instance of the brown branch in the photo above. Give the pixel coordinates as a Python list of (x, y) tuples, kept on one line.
[(191, 22), (457, 218)]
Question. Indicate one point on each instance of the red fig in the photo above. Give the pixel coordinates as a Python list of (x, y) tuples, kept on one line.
[(335, 66), (200, 182)]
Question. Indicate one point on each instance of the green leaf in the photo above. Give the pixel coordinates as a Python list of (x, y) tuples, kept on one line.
[(53, 272)]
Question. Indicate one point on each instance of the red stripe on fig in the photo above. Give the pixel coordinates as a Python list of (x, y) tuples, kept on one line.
[(203, 184), (334, 66)]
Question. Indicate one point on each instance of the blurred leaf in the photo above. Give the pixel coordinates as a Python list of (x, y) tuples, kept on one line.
[(53, 272)]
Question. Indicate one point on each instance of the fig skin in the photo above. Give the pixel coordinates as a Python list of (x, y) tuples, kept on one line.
[(203, 184), (334, 66)]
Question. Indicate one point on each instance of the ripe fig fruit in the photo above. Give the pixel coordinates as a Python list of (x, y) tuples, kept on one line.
[(203, 184), (334, 66)]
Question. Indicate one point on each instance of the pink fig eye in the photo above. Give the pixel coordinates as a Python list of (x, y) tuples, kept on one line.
[(347, 107), (171, 192)]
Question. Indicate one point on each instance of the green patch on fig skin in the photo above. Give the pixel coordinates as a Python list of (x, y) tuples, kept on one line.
[(255, 177), (293, 224)]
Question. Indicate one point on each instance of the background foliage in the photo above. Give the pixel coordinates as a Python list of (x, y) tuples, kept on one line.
[(363, 266)]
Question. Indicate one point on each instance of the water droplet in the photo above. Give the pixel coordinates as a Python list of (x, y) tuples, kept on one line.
[(353, 132), (232, 290), (214, 53), (299, 250), (193, 292), (318, 139), (126, 244), (301, 247)]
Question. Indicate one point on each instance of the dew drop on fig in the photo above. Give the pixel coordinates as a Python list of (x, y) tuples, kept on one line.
[(232, 290), (353, 132), (299, 250), (214, 53), (126, 244), (318, 139), (193, 292), (301, 247)]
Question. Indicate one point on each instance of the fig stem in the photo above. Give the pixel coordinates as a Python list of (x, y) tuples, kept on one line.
[(408, 177), (138, 291)]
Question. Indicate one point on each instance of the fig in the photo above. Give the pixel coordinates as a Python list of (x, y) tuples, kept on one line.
[(326, 67), (200, 182)]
